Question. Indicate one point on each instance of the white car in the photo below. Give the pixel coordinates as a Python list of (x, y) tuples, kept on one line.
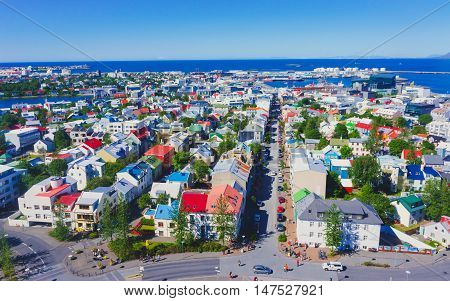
[(280, 180), (333, 266), (272, 174)]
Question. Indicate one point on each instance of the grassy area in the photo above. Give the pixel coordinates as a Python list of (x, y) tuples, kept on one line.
[(147, 228), (406, 229), (374, 264), (432, 243)]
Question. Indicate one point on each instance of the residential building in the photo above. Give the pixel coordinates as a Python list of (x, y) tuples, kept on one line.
[(139, 174), (163, 219), (85, 169), (164, 153), (9, 185), (229, 171), (23, 138), (410, 210), (437, 231), (308, 173), (171, 189)]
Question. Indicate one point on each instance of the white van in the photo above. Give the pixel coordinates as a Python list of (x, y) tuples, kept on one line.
[(333, 266)]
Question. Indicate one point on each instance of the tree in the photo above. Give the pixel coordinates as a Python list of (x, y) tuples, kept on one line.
[(365, 169), (61, 232), (256, 150), (123, 245), (187, 121), (144, 201), (180, 160), (428, 148), (425, 119), (322, 143), (418, 130), (334, 186), (6, 262), (346, 152), (354, 134), (107, 222), (436, 196), (62, 140), (312, 133), (201, 170), (104, 181), (228, 143), (379, 202), (181, 231), (57, 167), (163, 199), (397, 146), (373, 143), (107, 139), (333, 228), (400, 122), (340, 131), (224, 220)]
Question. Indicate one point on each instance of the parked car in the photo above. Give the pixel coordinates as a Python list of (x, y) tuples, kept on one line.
[(272, 174), (280, 188), (261, 269), (333, 266), (280, 218), (280, 180), (281, 200), (257, 217), (373, 250), (280, 209), (281, 228)]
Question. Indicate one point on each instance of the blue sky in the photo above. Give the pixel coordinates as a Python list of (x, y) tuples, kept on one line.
[(198, 29)]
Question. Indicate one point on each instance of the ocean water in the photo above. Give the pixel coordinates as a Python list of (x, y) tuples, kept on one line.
[(439, 83)]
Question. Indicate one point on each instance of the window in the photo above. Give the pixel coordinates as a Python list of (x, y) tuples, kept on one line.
[(320, 224), (365, 237), (311, 224), (319, 235), (366, 227), (45, 207), (38, 216), (36, 207), (311, 234), (160, 224)]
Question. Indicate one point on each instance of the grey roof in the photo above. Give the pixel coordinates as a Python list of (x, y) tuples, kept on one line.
[(313, 208), (433, 160), (357, 140), (123, 186)]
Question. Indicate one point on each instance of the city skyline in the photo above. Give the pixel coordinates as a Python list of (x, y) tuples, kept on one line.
[(208, 31)]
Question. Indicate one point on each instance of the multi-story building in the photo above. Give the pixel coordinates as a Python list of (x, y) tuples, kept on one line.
[(37, 204), (360, 229), (438, 128), (437, 231), (22, 138), (308, 173), (164, 153), (409, 210), (9, 185), (357, 146), (125, 127), (138, 174), (85, 169)]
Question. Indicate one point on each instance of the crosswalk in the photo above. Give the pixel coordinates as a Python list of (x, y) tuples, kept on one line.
[(49, 273)]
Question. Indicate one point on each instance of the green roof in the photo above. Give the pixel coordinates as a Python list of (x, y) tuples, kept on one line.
[(338, 142), (211, 135), (300, 195), (412, 203), (195, 128), (152, 161)]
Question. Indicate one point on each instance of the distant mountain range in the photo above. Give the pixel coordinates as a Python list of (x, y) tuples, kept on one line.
[(445, 56)]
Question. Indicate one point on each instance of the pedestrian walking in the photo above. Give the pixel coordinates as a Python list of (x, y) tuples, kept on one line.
[(239, 263), (298, 263), (230, 275), (158, 258)]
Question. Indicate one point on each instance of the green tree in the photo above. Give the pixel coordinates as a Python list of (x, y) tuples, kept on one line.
[(104, 181), (61, 231), (201, 170), (379, 202), (400, 122), (180, 160), (163, 199), (397, 146), (354, 134), (6, 258), (144, 201), (107, 222), (123, 244), (187, 121), (436, 196), (224, 220), (334, 187), (181, 231), (312, 133), (322, 143), (428, 148), (62, 140), (373, 143), (57, 167), (107, 139), (228, 143), (346, 152), (256, 150), (340, 131), (425, 119), (365, 169), (418, 130), (333, 228)]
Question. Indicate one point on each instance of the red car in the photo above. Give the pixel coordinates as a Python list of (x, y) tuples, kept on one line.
[(281, 200), (280, 209)]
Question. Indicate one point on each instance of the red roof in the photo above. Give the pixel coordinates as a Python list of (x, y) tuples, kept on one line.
[(54, 191), (93, 143), (417, 154), (194, 201), (159, 150), (68, 199), (63, 156), (364, 126)]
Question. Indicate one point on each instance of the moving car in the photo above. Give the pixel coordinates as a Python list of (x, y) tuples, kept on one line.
[(261, 269), (281, 228), (333, 266), (280, 209)]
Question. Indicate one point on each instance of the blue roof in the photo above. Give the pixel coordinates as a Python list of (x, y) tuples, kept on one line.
[(178, 177), (150, 211), (165, 211), (414, 172), (431, 171)]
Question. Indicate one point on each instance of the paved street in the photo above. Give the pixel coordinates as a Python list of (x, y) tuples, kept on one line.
[(183, 269)]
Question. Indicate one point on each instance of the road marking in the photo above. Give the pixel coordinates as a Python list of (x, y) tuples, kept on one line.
[(40, 258)]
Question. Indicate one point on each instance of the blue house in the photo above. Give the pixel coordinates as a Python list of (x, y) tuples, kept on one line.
[(417, 176), (329, 154)]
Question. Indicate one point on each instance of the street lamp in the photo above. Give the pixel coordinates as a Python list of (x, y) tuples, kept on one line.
[(407, 275)]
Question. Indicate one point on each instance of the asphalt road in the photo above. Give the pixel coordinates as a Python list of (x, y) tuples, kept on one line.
[(181, 269)]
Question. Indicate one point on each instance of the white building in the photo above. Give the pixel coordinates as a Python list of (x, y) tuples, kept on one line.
[(9, 185), (38, 202), (438, 128), (22, 138), (125, 127), (138, 174), (361, 224), (84, 169), (437, 231)]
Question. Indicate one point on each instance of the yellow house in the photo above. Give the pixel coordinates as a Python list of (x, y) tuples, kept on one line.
[(106, 156)]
